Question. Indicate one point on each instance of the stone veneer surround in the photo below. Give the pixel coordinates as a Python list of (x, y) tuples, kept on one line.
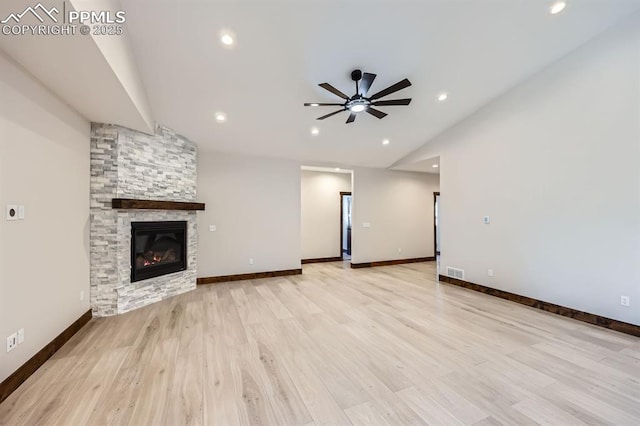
[(130, 164)]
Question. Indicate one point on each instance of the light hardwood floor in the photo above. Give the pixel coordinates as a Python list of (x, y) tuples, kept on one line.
[(377, 346)]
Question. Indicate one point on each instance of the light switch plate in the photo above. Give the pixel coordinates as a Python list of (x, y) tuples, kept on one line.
[(12, 212), (12, 342), (20, 212), (212, 228), (366, 225)]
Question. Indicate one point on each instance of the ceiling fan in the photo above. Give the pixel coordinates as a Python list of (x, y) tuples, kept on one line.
[(360, 101)]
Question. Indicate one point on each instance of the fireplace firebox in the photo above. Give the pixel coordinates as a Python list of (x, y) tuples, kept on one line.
[(157, 248)]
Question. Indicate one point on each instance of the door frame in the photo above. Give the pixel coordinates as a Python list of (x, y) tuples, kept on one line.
[(436, 194), (342, 220)]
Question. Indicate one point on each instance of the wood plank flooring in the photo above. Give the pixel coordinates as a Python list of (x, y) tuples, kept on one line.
[(379, 346)]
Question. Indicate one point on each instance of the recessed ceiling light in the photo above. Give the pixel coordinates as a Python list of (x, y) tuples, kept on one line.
[(443, 96), (221, 117), (315, 131), (226, 39), (435, 166), (557, 7), (385, 141)]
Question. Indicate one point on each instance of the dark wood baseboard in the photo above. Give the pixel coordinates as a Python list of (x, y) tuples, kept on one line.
[(391, 262), (594, 319), (12, 382), (250, 276), (322, 259)]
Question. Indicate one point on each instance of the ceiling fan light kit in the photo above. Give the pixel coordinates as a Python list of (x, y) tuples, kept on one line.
[(361, 101)]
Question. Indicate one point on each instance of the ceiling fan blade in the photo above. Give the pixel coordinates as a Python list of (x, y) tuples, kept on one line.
[(391, 89), (365, 83), (329, 115), (352, 117), (321, 104), (333, 90), (392, 102), (376, 112)]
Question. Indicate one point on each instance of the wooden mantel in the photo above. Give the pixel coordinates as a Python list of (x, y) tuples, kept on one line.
[(131, 204)]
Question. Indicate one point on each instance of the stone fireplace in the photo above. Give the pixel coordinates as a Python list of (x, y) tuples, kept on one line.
[(134, 262)]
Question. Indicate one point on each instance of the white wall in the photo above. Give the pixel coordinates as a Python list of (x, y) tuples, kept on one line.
[(255, 205), (44, 259), (399, 208), (556, 164), (320, 230)]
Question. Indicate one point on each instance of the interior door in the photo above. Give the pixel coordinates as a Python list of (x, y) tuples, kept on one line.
[(345, 224), (436, 222)]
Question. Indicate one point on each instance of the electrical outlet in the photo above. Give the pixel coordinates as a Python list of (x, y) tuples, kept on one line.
[(12, 342), (12, 212), (251, 261), (20, 212), (490, 272), (624, 300), (21, 336), (399, 250), (212, 228), (486, 220)]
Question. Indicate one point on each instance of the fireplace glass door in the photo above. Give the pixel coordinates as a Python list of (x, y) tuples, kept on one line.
[(157, 248)]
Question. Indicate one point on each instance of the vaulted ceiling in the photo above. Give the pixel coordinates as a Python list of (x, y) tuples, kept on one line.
[(473, 50)]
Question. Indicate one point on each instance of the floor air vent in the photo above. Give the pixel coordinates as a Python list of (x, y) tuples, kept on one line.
[(455, 273)]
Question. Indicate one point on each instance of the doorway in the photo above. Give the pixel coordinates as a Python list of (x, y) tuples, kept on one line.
[(345, 225), (436, 223)]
